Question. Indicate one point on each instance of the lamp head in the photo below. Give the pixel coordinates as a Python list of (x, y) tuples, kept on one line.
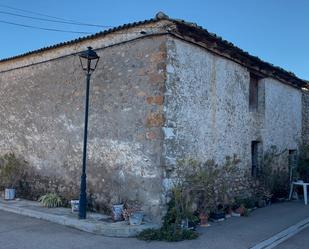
[(89, 60)]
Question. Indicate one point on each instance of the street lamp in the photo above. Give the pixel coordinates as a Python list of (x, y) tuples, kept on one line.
[(88, 60)]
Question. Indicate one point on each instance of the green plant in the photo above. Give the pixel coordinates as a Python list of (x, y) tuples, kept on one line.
[(303, 163), (167, 234), (248, 202), (11, 170), (51, 200), (194, 183), (171, 229), (273, 180), (246, 212), (204, 183), (150, 234), (262, 193)]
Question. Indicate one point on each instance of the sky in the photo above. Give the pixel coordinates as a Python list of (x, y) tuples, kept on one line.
[(277, 31)]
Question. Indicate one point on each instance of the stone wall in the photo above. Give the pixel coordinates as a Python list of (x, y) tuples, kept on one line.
[(208, 116), (153, 100), (283, 115), (305, 129), (42, 119)]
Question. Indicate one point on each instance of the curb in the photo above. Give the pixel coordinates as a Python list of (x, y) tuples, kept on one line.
[(95, 227), (282, 236)]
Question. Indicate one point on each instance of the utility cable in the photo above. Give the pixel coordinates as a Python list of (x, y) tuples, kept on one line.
[(47, 29), (55, 21), (54, 17), (67, 31)]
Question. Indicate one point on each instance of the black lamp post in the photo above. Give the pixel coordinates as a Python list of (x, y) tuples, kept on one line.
[(88, 60)]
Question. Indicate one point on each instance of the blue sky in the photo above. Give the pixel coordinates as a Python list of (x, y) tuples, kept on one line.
[(275, 30)]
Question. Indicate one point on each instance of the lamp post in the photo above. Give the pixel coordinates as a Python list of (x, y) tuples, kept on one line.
[(88, 60)]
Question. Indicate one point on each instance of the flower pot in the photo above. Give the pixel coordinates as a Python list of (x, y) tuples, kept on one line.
[(240, 210), (261, 203), (9, 194), (184, 223), (268, 202), (74, 206), (136, 218), (203, 219), (217, 216), (117, 212)]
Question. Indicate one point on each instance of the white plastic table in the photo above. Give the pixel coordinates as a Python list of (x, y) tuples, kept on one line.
[(305, 185)]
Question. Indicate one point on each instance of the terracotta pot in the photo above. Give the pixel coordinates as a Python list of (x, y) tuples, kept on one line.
[(203, 219), (240, 210)]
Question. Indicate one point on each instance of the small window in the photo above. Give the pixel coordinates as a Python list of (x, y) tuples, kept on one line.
[(253, 92), (254, 158)]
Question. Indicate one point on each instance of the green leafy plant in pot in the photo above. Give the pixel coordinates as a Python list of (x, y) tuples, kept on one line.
[(11, 174), (218, 214), (133, 213), (117, 198), (51, 200), (203, 217)]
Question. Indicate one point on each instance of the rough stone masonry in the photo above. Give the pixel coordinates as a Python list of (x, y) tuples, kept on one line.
[(164, 90)]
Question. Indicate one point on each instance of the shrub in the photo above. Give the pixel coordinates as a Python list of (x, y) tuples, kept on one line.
[(51, 200), (247, 202), (195, 183), (303, 163), (271, 179), (205, 183), (171, 234), (12, 170), (171, 229)]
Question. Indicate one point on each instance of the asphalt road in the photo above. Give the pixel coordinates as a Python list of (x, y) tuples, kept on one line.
[(20, 232), (298, 241)]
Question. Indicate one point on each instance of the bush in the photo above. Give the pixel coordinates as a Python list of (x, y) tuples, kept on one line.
[(11, 170), (303, 163), (171, 229), (247, 202), (170, 233), (272, 179), (51, 200)]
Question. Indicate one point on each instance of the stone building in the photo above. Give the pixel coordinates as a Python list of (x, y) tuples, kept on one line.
[(164, 89)]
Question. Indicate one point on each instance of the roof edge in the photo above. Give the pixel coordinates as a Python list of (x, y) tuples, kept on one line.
[(199, 35)]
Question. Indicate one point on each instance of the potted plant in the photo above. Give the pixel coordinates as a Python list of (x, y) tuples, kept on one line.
[(203, 216), (261, 203), (74, 205), (51, 200), (117, 198), (218, 214), (133, 213), (228, 211), (117, 210), (11, 174), (239, 210), (134, 217), (268, 197)]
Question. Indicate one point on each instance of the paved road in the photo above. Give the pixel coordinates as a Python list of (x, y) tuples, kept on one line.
[(20, 232), (299, 241)]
